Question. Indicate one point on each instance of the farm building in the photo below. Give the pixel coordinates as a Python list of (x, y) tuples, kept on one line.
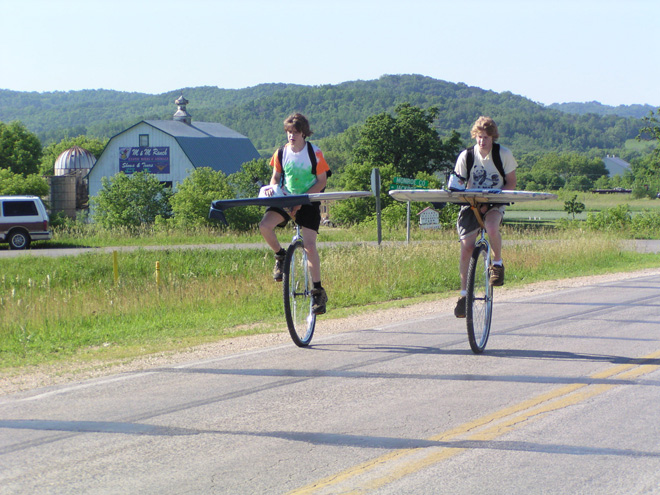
[(68, 187), (615, 165), (172, 149)]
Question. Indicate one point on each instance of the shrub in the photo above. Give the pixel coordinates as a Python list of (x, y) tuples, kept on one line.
[(610, 219), (131, 200), (646, 225)]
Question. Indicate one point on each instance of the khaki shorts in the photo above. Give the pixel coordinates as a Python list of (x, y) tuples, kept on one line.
[(467, 224)]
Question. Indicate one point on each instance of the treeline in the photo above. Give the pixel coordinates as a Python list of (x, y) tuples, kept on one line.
[(257, 112), (597, 108), (400, 143)]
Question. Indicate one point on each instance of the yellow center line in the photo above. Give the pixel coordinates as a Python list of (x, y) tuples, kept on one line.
[(395, 465)]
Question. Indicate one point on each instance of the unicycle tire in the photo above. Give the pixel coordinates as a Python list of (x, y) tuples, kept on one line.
[(479, 300), (297, 288)]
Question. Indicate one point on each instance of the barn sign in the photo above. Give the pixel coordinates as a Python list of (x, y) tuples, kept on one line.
[(154, 160)]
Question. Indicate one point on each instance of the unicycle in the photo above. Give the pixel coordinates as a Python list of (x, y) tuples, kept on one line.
[(479, 300), (297, 288)]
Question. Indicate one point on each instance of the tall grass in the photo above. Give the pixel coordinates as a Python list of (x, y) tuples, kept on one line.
[(72, 307)]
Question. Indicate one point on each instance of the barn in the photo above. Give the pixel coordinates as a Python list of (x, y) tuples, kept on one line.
[(172, 149)]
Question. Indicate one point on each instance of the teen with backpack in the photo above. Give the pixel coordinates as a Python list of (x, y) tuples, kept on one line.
[(298, 168), (487, 165)]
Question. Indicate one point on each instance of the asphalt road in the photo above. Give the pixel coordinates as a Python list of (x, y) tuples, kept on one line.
[(564, 400)]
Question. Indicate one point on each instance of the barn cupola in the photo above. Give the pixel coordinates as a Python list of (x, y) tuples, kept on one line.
[(182, 114)]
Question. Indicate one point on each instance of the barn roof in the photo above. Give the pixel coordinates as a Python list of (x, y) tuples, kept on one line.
[(206, 144), (209, 144), (615, 165)]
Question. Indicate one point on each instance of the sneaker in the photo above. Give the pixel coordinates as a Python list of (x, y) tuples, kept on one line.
[(279, 267), (459, 310), (319, 298), (497, 275)]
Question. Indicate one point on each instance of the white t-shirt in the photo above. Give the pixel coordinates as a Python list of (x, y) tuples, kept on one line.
[(484, 174)]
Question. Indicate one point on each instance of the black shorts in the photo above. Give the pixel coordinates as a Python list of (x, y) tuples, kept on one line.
[(308, 216)]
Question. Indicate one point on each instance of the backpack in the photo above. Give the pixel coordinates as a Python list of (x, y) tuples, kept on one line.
[(312, 158), (496, 158)]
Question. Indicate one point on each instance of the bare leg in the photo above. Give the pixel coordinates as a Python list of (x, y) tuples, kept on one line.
[(267, 227), (492, 223), (313, 259), (467, 246)]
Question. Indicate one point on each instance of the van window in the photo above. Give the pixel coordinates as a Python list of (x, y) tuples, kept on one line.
[(19, 208)]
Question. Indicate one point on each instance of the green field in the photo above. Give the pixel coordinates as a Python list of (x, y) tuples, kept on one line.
[(547, 212), (592, 201), (72, 308)]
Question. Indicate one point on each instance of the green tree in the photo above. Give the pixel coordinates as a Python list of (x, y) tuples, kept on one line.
[(573, 206), (402, 145), (357, 177), (406, 140), (571, 170), (20, 150), (245, 182), (17, 184), (539, 179), (646, 174), (579, 183), (130, 200), (191, 202), (651, 131), (54, 150), (603, 183), (338, 151)]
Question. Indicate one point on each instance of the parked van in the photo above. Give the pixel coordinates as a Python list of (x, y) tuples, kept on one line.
[(23, 219)]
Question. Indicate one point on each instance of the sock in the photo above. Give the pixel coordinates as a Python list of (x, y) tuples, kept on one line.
[(463, 293), (498, 263), (281, 252), (317, 285)]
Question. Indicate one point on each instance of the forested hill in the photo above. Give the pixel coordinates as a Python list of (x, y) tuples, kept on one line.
[(636, 111), (258, 111)]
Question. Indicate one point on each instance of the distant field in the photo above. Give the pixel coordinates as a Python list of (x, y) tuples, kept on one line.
[(545, 216), (592, 202), (549, 211)]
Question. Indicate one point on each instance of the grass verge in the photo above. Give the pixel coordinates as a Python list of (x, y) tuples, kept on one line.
[(72, 308)]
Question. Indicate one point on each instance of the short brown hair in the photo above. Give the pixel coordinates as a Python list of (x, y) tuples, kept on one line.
[(487, 125), (299, 123)]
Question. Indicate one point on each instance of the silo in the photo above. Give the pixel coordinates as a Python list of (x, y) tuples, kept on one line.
[(74, 163), (62, 197)]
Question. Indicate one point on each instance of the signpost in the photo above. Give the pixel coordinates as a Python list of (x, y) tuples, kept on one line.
[(375, 189), (404, 183)]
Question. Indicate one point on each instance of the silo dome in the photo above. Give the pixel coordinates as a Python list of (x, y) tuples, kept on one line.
[(75, 160)]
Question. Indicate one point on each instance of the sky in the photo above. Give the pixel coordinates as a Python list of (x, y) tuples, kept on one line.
[(550, 51)]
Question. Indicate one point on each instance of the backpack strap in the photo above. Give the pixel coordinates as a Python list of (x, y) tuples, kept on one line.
[(470, 161), (497, 159), (498, 162), (312, 157), (280, 157)]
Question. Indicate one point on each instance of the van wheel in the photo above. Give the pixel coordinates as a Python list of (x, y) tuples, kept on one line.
[(19, 240)]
